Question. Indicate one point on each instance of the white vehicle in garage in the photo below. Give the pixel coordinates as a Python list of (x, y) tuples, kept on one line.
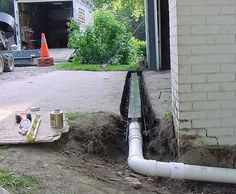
[(7, 25)]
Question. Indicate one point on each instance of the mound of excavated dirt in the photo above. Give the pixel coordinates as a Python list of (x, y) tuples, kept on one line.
[(97, 133)]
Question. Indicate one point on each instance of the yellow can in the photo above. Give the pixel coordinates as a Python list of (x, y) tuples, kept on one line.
[(56, 119)]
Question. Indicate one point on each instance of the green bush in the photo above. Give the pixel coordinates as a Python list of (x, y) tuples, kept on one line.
[(140, 46), (98, 43)]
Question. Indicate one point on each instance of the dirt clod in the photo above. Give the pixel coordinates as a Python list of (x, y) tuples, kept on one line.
[(136, 184)]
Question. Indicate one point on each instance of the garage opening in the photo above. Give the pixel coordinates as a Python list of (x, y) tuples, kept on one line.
[(50, 18)]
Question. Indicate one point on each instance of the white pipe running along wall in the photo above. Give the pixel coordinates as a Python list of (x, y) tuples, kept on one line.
[(172, 170)]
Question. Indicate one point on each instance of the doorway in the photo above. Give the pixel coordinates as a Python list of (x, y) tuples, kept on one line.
[(50, 18), (164, 34)]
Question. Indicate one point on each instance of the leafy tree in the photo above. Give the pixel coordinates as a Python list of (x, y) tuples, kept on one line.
[(130, 12), (134, 8)]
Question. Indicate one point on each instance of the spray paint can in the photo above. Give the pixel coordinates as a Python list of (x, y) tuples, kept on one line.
[(56, 119)]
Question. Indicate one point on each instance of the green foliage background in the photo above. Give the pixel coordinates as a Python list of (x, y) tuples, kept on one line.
[(133, 8), (98, 43)]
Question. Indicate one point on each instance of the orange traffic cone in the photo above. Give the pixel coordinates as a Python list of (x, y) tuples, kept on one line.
[(44, 46), (45, 60)]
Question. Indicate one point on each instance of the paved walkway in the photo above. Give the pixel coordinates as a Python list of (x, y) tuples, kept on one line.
[(158, 86), (66, 90)]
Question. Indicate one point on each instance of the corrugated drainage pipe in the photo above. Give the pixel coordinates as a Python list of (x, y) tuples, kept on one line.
[(171, 170)]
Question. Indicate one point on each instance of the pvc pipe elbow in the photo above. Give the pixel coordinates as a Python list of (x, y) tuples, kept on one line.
[(173, 170), (141, 165), (149, 167)]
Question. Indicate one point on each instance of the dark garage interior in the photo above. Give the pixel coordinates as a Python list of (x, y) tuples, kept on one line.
[(50, 18)]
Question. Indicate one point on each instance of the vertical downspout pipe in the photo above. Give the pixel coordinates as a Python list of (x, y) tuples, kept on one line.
[(153, 168)]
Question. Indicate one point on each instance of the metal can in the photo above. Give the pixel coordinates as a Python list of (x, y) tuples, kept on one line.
[(56, 119)]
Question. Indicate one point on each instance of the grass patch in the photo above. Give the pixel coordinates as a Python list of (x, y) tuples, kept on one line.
[(74, 115), (75, 66), (17, 183)]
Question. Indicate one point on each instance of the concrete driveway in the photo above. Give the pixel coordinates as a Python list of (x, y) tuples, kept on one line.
[(66, 90)]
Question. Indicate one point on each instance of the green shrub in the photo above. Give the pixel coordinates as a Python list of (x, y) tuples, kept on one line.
[(74, 33), (98, 43), (140, 46)]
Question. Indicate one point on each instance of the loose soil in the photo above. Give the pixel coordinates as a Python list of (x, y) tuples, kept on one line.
[(161, 143), (92, 158)]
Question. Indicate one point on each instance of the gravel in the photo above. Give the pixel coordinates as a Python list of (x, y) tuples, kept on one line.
[(20, 73)]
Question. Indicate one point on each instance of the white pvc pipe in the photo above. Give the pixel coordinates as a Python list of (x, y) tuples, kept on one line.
[(172, 170)]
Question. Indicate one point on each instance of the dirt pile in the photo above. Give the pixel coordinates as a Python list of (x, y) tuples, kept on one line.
[(97, 133), (161, 143), (206, 155)]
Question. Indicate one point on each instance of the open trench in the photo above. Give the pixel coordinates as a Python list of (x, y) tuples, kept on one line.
[(159, 139)]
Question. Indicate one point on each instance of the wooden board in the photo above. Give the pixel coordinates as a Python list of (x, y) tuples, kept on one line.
[(9, 131)]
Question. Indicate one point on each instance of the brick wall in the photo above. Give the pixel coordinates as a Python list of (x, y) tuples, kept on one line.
[(203, 69)]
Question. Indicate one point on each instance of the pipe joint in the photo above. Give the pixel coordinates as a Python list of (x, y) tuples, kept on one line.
[(135, 137), (134, 125)]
